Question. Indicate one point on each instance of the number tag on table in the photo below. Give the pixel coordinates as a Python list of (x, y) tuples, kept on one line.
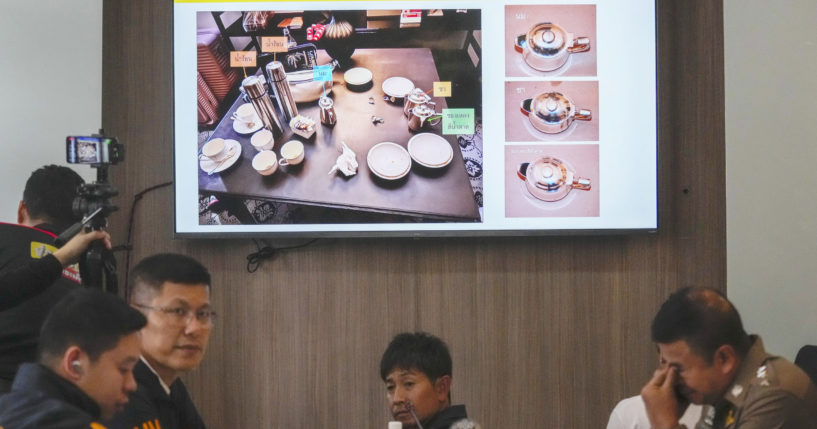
[(442, 89), (274, 44), (322, 73), (242, 58)]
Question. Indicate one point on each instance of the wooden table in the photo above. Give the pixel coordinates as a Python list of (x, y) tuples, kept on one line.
[(443, 194)]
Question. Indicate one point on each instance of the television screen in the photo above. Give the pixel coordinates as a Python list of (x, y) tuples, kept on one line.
[(362, 118)]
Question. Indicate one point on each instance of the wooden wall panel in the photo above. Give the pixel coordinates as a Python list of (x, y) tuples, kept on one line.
[(543, 330)]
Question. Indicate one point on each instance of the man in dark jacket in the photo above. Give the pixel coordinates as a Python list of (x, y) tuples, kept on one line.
[(416, 368), (89, 345), (33, 281), (173, 291)]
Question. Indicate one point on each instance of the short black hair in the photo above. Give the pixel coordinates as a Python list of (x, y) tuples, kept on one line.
[(49, 195), (150, 273), (704, 319), (93, 320), (418, 350)]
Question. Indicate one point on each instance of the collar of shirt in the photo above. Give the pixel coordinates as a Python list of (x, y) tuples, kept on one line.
[(161, 382)]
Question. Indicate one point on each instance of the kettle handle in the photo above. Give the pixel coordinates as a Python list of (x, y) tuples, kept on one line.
[(583, 115), (524, 107), (520, 43), (580, 44), (581, 184)]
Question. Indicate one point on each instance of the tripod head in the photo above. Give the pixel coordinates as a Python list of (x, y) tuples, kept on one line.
[(93, 202)]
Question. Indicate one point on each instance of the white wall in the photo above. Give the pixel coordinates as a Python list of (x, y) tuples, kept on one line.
[(50, 87), (771, 174)]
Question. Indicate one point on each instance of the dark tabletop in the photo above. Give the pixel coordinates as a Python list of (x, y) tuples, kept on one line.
[(444, 193)]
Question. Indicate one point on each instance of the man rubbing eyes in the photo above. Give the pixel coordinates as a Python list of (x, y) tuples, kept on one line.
[(173, 292)]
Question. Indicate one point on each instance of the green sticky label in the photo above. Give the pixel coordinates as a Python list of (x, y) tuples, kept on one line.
[(458, 121), (322, 73)]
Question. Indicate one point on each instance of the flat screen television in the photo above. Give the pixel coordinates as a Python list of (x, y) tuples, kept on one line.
[(414, 118)]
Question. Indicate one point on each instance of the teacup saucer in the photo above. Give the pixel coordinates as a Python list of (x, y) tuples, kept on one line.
[(242, 128), (210, 167)]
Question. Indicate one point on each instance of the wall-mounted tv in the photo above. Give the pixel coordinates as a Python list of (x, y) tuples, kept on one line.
[(414, 118)]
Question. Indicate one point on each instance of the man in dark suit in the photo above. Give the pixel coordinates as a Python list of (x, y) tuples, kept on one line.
[(173, 292)]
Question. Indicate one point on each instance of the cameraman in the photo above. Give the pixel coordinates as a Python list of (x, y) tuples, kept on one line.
[(34, 274)]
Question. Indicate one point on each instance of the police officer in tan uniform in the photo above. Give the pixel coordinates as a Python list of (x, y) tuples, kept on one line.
[(710, 360)]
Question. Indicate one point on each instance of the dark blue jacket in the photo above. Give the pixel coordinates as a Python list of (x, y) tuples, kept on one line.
[(41, 399)]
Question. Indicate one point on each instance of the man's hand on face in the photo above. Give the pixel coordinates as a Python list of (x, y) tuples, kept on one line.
[(660, 399)]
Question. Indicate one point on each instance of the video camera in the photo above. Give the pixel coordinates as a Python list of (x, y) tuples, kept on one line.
[(93, 203)]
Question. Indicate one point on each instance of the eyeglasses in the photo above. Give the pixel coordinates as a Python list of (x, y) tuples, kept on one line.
[(181, 316)]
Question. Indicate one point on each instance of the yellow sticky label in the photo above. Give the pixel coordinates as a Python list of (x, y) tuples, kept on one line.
[(39, 250), (442, 89), (242, 58), (274, 44), (730, 418)]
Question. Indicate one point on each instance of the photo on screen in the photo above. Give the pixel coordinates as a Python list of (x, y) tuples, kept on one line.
[(338, 116)]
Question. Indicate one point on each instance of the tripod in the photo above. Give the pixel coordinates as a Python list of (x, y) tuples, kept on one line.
[(97, 266)]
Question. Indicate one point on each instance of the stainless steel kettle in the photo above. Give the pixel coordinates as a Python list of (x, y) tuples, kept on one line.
[(415, 98), (422, 117)]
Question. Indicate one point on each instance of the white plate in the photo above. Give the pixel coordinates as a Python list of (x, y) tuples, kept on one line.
[(397, 86), (389, 161), (209, 166), (358, 76), (242, 128), (430, 150)]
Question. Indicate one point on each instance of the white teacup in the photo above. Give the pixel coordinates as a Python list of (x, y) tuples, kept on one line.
[(262, 140), (292, 153), (215, 149), (245, 114), (265, 162)]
